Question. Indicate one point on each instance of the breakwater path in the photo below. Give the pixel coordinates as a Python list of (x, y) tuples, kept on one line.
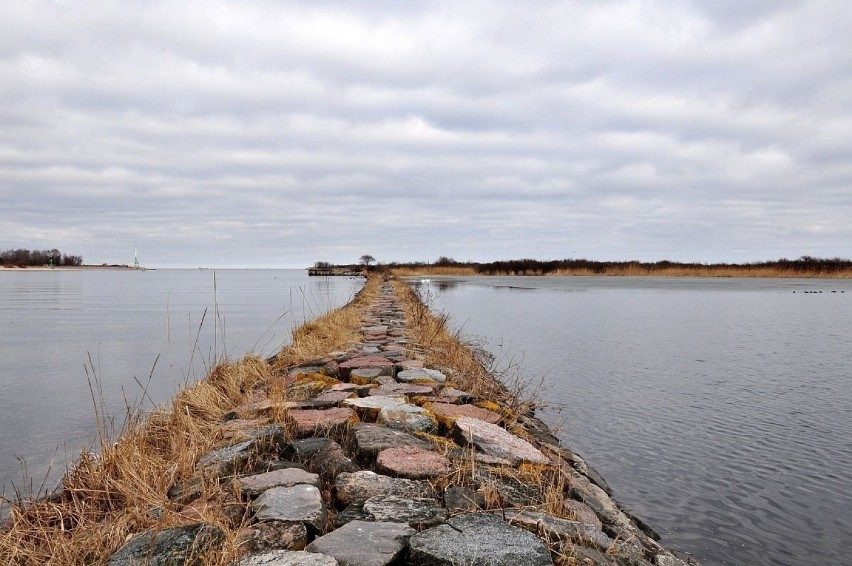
[(374, 456)]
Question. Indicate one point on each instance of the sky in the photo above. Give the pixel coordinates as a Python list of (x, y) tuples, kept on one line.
[(277, 134)]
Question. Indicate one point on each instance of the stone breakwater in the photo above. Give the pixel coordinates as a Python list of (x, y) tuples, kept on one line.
[(374, 459)]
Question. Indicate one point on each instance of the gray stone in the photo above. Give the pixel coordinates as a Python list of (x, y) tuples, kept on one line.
[(407, 417), (462, 396), (378, 362), (367, 350), (272, 535), (460, 499), (370, 439), (360, 390), (331, 398), (358, 487), (169, 547), (376, 329), (302, 503), (582, 513), (477, 540), (418, 513), (362, 543), (354, 512), (232, 459), (257, 484), (421, 375), (511, 490), (288, 558), (498, 442), (556, 528), (395, 389), (330, 461), (364, 376), (368, 407), (538, 430)]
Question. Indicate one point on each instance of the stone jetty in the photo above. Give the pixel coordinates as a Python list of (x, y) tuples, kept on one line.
[(373, 458)]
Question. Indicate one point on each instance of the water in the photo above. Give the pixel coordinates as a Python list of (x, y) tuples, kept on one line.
[(57, 327), (719, 410)]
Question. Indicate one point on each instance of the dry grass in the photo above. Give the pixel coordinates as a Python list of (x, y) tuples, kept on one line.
[(121, 489), (411, 271), (333, 330), (546, 486)]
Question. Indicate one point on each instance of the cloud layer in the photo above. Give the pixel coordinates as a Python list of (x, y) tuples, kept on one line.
[(280, 133)]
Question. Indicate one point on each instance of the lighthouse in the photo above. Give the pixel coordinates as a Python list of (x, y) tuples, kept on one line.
[(135, 259)]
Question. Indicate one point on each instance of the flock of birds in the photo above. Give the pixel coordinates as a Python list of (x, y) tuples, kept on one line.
[(833, 291)]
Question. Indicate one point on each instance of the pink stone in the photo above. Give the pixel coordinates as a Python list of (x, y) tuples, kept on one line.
[(498, 442), (403, 389), (335, 396), (445, 412), (412, 463), (320, 421)]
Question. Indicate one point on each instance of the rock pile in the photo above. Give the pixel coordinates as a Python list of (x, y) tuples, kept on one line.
[(374, 459)]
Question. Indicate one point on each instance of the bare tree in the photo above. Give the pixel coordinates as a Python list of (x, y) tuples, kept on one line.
[(367, 259)]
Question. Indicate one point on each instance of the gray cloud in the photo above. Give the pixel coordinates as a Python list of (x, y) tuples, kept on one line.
[(280, 133)]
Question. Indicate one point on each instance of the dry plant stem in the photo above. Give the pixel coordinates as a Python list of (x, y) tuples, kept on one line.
[(122, 490)]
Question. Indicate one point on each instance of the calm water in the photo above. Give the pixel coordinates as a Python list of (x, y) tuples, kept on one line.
[(718, 410), (53, 322)]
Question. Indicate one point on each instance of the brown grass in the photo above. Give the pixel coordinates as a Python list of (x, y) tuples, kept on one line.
[(410, 271), (121, 489)]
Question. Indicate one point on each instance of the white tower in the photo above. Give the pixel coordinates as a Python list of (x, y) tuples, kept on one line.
[(135, 259)]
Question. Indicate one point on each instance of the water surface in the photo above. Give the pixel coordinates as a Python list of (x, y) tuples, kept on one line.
[(60, 328), (719, 410)]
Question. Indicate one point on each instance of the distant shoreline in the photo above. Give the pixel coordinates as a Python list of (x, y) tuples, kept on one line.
[(74, 268)]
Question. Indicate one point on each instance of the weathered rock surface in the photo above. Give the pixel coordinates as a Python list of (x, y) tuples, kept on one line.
[(257, 484), (273, 535), (448, 414), (370, 439), (556, 528), (458, 499), (361, 543), (169, 547), (365, 376), (358, 487), (477, 540), (231, 459), (288, 558), (407, 417), (368, 408), (413, 463), (417, 513), (378, 362), (301, 503), (498, 442), (321, 421), (421, 375), (396, 389)]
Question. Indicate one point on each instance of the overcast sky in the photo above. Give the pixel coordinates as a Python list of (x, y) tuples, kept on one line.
[(276, 134)]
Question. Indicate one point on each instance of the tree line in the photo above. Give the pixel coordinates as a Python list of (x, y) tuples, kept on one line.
[(38, 258), (803, 265)]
